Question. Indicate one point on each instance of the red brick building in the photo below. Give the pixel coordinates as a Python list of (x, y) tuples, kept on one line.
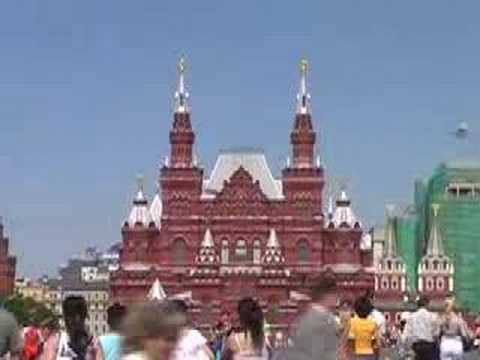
[(7, 265), (239, 230)]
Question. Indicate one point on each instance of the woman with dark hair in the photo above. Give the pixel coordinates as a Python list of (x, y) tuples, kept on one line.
[(249, 342), (74, 343)]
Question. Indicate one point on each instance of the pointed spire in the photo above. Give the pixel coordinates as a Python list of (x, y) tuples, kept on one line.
[(156, 293), (208, 239), (303, 97), (181, 95), (140, 213), (156, 207), (435, 242), (273, 240), (330, 207), (390, 234), (140, 197)]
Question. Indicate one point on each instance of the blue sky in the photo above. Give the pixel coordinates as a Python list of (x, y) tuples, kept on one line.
[(86, 93)]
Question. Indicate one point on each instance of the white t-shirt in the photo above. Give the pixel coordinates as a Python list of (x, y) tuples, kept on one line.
[(190, 346), (379, 318)]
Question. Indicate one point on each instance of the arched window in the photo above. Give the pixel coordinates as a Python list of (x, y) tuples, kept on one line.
[(303, 251), (257, 251), (389, 265), (384, 283), (395, 283), (241, 253), (430, 284), (225, 251), (179, 251), (440, 284)]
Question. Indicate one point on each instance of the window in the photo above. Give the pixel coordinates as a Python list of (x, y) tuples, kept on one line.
[(257, 252), (303, 251), (430, 284), (241, 253), (440, 284), (384, 283), (180, 250), (225, 251), (394, 284)]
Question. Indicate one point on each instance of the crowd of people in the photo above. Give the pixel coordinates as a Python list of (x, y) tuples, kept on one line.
[(328, 330)]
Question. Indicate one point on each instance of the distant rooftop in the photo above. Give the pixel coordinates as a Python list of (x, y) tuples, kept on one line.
[(462, 164)]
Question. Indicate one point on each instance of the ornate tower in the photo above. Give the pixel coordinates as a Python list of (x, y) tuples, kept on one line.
[(436, 270), (7, 264), (391, 276), (139, 230), (180, 177), (303, 177)]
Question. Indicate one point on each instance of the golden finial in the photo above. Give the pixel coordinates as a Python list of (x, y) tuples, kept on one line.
[(304, 66), (181, 65), (435, 208), (140, 180)]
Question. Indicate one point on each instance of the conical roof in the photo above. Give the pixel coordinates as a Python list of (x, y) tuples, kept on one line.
[(390, 235), (156, 209), (208, 239), (140, 213), (435, 241), (272, 239), (156, 293)]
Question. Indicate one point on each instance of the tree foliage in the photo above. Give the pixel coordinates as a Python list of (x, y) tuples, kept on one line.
[(27, 311)]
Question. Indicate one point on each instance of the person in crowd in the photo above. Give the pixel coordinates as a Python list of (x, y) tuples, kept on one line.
[(10, 339), (376, 315), (74, 342), (344, 316), (316, 335), (191, 345), (249, 342), (48, 328), (422, 331), (454, 333), (364, 331), (476, 341), (112, 341), (32, 342), (151, 331)]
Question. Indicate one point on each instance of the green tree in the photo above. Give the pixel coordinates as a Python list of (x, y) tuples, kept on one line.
[(27, 311)]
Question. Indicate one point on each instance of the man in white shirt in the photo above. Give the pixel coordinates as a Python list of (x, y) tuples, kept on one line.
[(422, 330)]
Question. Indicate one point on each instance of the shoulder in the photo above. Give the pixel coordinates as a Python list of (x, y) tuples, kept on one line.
[(135, 356), (195, 338)]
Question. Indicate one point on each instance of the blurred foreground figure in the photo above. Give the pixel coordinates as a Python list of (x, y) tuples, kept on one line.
[(112, 342), (364, 332), (455, 334), (422, 331), (249, 343), (316, 336), (10, 341), (74, 343), (191, 345), (151, 331)]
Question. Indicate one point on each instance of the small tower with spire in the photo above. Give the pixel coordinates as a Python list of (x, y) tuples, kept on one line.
[(435, 270), (207, 255), (273, 253), (139, 228), (343, 215), (391, 275)]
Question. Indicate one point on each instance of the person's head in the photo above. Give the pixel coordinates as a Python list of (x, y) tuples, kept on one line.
[(48, 327), (152, 328), (75, 312), (180, 307), (115, 316), (423, 301), (251, 319), (324, 292), (363, 307)]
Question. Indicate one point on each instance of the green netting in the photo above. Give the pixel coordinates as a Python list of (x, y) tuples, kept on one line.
[(460, 223), (408, 247)]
